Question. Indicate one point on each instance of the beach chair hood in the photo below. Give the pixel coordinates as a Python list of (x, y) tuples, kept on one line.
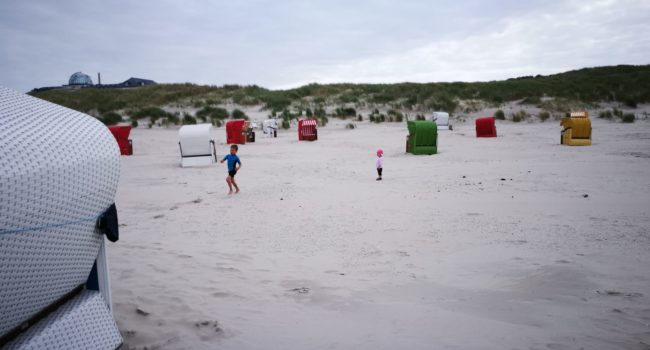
[(196, 145), (59, 171), (442, 120)]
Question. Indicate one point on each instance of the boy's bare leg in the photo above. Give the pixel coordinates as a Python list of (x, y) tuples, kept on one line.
[(235, 184), (229, 184)]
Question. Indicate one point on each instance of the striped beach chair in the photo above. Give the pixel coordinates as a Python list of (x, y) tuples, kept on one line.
[(577, 130), (307, 130)]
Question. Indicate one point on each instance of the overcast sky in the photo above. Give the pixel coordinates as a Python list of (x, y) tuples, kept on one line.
[(283, 44)]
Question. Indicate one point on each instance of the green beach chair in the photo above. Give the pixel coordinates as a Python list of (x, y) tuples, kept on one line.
[(422, 138)]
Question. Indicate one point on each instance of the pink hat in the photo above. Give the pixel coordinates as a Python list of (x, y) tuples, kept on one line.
[(379, 152)]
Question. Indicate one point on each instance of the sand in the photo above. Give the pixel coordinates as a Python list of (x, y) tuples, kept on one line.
[(514, 242)]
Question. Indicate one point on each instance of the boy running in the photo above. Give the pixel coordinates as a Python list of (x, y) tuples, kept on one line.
[(234, 164)]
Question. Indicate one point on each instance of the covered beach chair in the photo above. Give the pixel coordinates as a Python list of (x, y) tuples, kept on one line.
[(577, 130), (121, 134), (197, 148), (422, 137), (237, 132), (486, 127), (442, 120), (270, 127), (56, 207), (307, 130)]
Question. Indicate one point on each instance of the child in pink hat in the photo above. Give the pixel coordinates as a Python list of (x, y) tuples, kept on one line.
[(379, 163)]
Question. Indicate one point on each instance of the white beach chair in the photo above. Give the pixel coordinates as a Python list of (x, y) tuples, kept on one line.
[(442, 120), (196, 146), (59, 171), (270, 127)]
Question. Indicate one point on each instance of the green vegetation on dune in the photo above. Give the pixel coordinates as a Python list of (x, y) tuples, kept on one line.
[(626, 84), (111, 99)]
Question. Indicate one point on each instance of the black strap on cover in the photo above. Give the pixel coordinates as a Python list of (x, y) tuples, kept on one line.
[(107, 223), (214, 150)]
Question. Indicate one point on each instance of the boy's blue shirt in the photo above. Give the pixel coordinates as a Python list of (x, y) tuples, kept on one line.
[(232, 160)]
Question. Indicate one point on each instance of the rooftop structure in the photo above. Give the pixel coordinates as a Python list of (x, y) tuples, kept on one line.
[(80, 79)]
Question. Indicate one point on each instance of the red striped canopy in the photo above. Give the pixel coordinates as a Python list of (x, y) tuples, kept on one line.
[(307, 130)]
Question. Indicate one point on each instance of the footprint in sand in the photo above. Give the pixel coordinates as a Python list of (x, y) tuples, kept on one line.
[(228, 269), (211, 324), (300, 290), (617, 293), (517, 242), (334, 272), (142, 312)]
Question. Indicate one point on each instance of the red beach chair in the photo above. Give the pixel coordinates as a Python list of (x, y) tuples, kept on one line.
[(236, 131), (486, 127), (307, 130), (121, 134)]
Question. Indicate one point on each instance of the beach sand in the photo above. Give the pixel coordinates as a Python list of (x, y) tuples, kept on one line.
[(514, 242)]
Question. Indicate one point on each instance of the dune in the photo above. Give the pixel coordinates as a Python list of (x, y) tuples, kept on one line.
[(514, 242)]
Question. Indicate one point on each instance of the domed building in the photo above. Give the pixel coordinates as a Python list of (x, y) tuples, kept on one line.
[(80, 79)]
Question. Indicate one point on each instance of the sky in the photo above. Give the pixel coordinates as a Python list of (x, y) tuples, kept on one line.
[(285, 44)]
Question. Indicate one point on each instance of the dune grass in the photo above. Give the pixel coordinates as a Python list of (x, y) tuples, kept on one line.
[(624, 83)]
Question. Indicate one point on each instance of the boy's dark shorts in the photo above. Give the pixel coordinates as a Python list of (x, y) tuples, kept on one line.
[(232, 173)]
